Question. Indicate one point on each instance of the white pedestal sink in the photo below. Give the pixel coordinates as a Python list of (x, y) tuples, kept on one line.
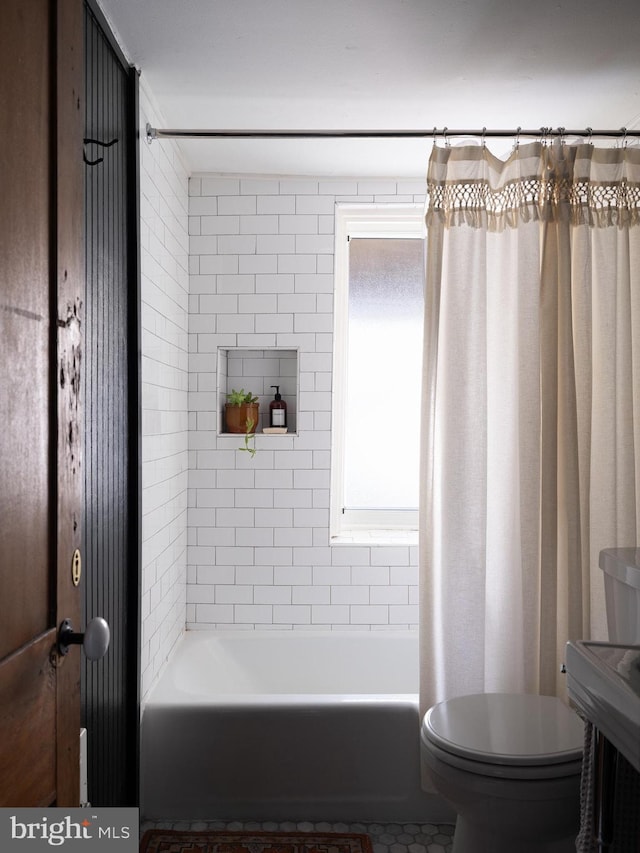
[(603, 681)]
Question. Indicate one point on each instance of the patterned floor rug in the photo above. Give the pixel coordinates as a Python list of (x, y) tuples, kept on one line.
[(175, 841)]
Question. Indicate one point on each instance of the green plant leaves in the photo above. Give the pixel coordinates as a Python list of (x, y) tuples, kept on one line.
[(237, 398)]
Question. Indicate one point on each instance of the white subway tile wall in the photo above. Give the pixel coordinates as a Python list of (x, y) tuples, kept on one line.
[(164, 259), (261, 278)]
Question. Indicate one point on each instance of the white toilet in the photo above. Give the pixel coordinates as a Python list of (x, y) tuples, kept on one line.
[(621, 568), (510, 764)]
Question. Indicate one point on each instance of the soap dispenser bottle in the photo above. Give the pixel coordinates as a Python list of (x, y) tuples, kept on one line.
[(277, 410)]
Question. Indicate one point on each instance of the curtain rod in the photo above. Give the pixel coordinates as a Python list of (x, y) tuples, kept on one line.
[(541, 132)]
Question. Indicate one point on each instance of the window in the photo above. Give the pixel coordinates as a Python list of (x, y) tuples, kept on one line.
[(377, 372)]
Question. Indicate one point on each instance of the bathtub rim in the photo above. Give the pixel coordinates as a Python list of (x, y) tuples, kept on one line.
[(162, 695)]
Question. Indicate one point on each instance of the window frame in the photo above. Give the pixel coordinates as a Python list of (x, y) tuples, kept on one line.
[(400, 220)]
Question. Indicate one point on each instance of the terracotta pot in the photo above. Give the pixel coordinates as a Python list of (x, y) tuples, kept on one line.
[(236, 417)]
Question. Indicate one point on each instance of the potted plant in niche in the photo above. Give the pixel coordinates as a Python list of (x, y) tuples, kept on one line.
[(241, 415)]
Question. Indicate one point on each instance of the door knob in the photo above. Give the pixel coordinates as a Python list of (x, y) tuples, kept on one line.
[(95, 639)]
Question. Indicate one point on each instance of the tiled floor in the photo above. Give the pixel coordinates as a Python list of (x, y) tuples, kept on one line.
[(386, 838)]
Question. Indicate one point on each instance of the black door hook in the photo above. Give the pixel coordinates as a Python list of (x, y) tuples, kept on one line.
[(89, 141)]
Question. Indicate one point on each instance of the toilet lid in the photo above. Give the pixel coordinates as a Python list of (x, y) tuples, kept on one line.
[(505, 728)]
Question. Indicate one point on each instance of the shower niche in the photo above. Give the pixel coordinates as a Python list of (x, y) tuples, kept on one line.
[(256, 370)]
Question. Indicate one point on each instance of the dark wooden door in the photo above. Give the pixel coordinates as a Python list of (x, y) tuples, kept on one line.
[(110, 706), (41, 287)]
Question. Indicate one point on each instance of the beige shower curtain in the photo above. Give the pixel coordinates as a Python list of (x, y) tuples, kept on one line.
[(531, 408)]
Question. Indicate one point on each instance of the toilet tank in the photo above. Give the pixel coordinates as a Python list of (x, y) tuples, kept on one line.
[(621, 567)]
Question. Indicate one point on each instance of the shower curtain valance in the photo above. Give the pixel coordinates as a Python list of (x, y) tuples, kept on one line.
[(558, 182)]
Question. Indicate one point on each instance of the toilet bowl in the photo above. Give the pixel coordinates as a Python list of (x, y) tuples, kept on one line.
[(510, 765)]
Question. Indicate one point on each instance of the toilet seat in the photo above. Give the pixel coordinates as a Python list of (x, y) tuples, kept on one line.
[(505, 735)]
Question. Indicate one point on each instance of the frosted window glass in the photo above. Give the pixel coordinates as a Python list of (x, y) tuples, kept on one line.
[(384, 367)]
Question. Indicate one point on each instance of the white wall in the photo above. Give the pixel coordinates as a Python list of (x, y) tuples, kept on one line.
[(261, 264), (164, 285)]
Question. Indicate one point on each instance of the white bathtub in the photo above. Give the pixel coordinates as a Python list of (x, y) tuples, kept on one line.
[(260, 725)]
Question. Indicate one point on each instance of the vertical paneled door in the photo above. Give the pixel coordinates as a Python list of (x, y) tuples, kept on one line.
[(110, 693)]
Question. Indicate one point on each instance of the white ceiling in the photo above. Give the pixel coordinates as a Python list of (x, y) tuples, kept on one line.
[(377, 64)]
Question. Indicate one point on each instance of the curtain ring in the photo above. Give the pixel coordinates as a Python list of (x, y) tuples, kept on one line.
[(446, 141), (483, 138), (516, 144), (561, 131), (435, 131), (624, 136), (590, 136)]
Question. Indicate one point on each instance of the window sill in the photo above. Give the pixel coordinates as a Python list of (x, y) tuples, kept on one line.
[(376, 537)]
